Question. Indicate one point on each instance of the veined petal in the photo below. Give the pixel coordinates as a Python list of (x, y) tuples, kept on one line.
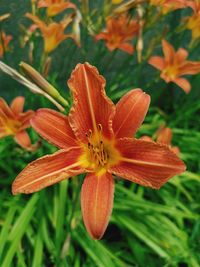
[(146, 163), (130, 113), (97, 195), (54, 127), (91, 105), (17, 105), (48, 170), (157, 62), (168, 51), (184, 84), (5, 109)]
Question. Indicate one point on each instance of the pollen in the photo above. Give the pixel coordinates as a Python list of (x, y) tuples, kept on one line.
[(99, 153)]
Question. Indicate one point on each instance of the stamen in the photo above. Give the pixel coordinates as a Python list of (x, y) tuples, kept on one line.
[(97, 152)]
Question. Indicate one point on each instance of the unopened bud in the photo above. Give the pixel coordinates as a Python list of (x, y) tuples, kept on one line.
[(35, 77)]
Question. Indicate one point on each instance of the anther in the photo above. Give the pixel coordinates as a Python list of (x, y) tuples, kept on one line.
[(100, 127), (90, 133)]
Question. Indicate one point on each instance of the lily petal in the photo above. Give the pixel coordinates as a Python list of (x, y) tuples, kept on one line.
[(130, 113), (3, 133), (127, 48), (176, 150), (48, 170), (36, 20), (189, 67), (91, 105), (54, 127), (168, 51), (146, 138), (184, 84), (157, 62), (146, 163), (5, 109), (25, 118), (164, 136), (96, 203), (181, 55), (42, 3), (102, 35), (55, 9), (23, 139), (17, 105)]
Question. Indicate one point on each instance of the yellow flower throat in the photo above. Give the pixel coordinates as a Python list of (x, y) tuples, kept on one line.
[(99, 153), (12, 126)]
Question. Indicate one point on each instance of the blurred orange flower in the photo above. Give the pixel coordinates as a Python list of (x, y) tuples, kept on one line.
[(96, 138), (117, 2), (174, 65), (55, 7), (118, 32), (4, 43), (169, 5), (53, 34), (163, 136), (193, 22), (13, 122)]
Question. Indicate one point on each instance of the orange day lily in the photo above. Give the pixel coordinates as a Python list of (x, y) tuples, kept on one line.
[(193, 22), (119, 31), (55, 7), (4, 43), (13, 122), (174, 65), (53, 33), (163, 136), (96, 138), (169, 5)]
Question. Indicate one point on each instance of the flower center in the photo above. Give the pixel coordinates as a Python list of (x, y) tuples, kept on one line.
[(12, 126), (99, 153), (170, 72)]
